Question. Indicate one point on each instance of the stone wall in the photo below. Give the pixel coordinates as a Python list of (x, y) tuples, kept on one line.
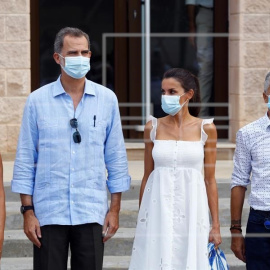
[(249, 60), (14, 70)]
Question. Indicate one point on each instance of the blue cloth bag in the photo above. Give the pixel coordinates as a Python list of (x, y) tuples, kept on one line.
[(217, 260)]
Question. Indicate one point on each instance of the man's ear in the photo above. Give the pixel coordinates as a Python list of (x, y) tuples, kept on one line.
[(265, 97), (56, 58)]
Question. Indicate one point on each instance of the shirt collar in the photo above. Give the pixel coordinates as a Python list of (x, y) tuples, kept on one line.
[(58, 88), (89, 88), (266, 121)]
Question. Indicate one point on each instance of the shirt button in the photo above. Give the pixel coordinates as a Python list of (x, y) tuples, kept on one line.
[(72, 169), (72, 185), (73, 152), (72, 202)]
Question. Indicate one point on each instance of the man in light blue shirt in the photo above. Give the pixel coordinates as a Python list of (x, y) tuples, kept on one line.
[(70, 134), (251, 167)]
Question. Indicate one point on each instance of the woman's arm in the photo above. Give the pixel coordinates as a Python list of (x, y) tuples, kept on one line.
[(148, 159), (210, 181), (2, 207)]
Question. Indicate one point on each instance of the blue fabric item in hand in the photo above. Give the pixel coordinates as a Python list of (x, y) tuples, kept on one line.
[(217, 260)]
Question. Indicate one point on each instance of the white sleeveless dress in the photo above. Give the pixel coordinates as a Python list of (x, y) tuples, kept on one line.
[(173, 222)]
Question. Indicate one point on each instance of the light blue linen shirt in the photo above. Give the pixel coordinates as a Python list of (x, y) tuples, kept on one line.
[(68, 180), (252, 162)]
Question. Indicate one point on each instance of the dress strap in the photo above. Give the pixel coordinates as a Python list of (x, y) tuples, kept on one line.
[(204, 136), (154, 128)]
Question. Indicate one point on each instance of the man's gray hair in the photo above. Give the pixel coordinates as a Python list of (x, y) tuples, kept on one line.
[(267, 82), (68, 31)]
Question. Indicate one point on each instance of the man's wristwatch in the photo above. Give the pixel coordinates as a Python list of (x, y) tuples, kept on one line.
[(25, 208)]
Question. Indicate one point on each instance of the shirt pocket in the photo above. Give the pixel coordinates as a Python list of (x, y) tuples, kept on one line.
[(53, 137), (48, 132), (41, 199), (94, 195), (97, 133)]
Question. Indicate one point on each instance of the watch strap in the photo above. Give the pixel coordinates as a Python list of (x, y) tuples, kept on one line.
[(25, 208)]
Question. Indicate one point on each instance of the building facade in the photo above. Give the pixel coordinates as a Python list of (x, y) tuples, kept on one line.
[(249, 60), (14, 70), (238, 82)]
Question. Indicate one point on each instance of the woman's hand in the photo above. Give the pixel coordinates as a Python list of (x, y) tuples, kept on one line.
[(215, 237)]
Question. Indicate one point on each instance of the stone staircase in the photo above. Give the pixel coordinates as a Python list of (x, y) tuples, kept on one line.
[(18, 251)]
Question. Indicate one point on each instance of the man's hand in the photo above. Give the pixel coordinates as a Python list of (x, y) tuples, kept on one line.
[(238, 245), (32, 228), (111, 225)]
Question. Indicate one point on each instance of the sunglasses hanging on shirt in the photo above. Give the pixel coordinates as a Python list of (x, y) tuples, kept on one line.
[(76, 135)]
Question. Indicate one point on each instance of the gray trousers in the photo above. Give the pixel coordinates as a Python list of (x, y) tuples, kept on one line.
[(204, 24)]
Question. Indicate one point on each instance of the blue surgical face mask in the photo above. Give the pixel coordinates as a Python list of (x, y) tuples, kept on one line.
[(268, 104), (171, 104), (76, 66)]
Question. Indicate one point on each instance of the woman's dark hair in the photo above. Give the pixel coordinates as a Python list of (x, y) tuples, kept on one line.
[(188, 81)]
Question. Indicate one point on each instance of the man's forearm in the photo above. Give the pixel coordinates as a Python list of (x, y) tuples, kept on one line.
[(26, 199), (115, 202), (237, 201)]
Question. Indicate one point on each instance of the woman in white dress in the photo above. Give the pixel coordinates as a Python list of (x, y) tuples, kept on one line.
[(173, 226)]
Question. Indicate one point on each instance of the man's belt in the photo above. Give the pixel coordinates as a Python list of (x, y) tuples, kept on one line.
[(260, 211)]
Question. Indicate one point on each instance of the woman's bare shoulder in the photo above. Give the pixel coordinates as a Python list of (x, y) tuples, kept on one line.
[(163, 120), (148, 125), (210, 128), (211, 131)]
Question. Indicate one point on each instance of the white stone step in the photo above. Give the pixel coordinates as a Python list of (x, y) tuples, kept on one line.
[(128, 214), (16, 243), (110, 263)]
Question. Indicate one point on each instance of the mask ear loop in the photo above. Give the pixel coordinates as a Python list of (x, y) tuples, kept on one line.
[(191, 98), (60, 61), (184, 101)]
